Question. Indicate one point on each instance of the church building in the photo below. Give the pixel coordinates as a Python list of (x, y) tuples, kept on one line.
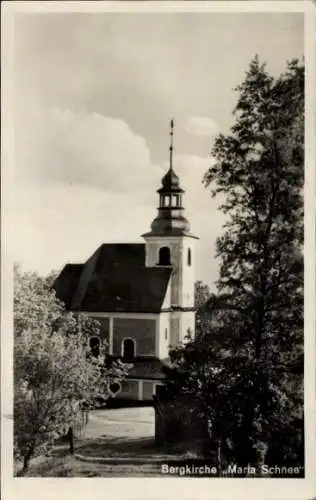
[(142, 294)]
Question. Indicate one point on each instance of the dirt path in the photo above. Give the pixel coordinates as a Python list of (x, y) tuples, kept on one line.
[(122, 423), (124, 432)]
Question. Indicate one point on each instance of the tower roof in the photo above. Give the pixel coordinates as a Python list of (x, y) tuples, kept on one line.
[(170, 183), (170, 220)]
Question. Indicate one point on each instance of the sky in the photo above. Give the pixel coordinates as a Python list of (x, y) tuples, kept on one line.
[(93, 98)]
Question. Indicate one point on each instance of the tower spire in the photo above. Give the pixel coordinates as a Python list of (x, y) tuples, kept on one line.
[(171, 145)]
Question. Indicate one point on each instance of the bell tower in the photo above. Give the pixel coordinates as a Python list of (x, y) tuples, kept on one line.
[(170, 243)]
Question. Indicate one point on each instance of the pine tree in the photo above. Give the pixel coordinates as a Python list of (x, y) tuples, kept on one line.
[(259, 169), (252, 376)]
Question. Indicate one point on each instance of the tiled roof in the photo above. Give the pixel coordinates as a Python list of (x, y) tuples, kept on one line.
[(115, 279)]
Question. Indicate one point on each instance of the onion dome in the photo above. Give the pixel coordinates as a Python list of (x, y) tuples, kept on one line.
[(170, 183), (175, 225)]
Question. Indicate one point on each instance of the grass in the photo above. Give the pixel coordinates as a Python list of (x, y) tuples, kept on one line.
[(136, 448), (69, 466), (61, 464)]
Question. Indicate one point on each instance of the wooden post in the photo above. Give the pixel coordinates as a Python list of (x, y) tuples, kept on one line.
[(71, 440)]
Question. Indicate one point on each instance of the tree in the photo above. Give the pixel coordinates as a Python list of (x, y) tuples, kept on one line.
[(255, 395), (260, 170), (54, 371), (201, 294)]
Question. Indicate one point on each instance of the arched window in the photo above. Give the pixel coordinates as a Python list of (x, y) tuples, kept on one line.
[(94, 344), (164, 256), (189, 257), (128, 350)]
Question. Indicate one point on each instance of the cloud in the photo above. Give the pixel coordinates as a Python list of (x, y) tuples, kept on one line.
[(55, 224), (201, 208), (201, 125), (90, 149), (84, 179)]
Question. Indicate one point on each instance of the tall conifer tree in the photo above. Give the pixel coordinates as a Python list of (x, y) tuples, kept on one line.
[(251, 378)]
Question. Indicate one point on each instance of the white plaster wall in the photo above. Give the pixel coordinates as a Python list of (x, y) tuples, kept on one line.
[(175, 322), (187, 321), (167, 300), (182, 279), (164, 324), (188, 276)]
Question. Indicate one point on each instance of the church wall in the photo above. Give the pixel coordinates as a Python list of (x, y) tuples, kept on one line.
[(185, 281), (187, 299), (153, 335), (142, 327), (130, 390), (187, 322), (138, 389), (143, 331), (152, 256), (176, 273), (164, 335), (148, 390), (174, 328), (104, 328), (179, 323), (182, 280), (167, 300)]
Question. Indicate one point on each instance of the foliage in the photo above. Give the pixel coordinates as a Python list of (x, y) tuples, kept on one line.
[(248, 365), (201, 294), (54, 371)]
